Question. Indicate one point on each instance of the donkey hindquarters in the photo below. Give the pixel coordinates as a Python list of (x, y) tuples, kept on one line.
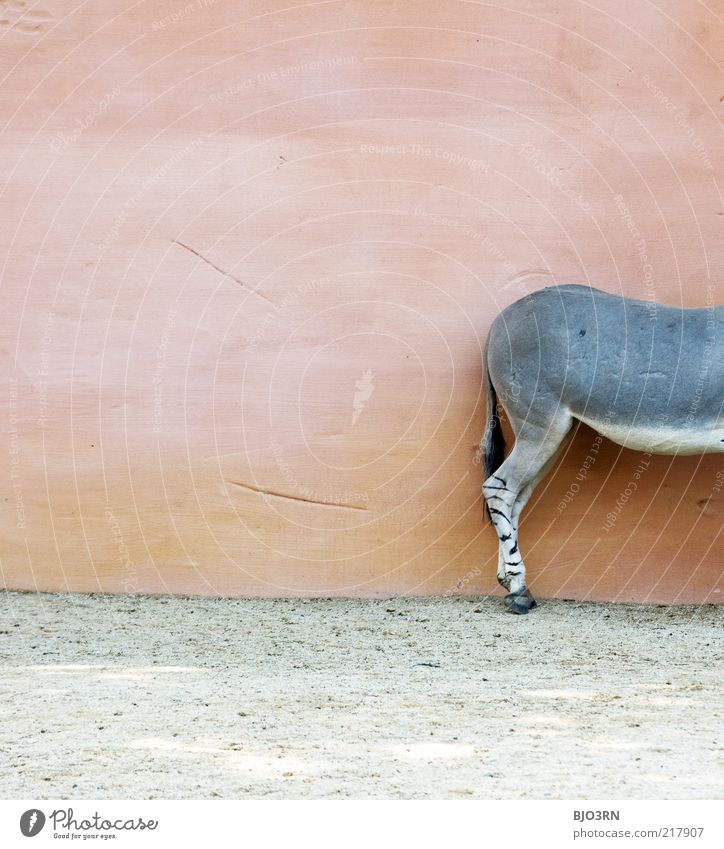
[(645, 375)]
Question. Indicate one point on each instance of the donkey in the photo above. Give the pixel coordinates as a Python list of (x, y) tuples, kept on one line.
[(647, 376)]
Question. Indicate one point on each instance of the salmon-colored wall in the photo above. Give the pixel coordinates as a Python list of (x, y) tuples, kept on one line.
[(223, 221)]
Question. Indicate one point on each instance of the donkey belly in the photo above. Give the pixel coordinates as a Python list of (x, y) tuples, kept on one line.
[(660, 440)]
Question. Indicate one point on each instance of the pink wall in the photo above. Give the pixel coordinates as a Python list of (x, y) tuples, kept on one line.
[(368, 183)]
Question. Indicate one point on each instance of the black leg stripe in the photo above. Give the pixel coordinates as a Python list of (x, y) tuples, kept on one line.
[(500, 513)]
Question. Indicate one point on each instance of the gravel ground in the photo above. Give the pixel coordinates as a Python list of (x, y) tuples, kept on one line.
[(137, 697)]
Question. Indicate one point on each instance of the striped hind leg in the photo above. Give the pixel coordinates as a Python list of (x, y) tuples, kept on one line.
[(506, 493), (525, 493)]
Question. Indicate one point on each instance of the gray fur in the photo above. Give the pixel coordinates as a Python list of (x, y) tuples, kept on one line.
[(647, 376)]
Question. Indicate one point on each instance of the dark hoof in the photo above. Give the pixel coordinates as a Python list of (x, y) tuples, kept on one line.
[(520, 602)]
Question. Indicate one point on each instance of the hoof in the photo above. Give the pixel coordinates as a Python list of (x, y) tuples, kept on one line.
[(520, 602)]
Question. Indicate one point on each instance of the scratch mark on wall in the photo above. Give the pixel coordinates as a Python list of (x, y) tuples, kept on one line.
[(221, 270), (263, 491)]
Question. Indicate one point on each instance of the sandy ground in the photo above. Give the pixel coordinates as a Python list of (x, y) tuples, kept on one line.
[(130, 697)]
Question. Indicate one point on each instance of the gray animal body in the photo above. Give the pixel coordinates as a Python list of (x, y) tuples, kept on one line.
[(647, 376)]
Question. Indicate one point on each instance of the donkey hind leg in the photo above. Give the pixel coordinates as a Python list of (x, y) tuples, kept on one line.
[(526, 492), (506, 492), (526, 600)]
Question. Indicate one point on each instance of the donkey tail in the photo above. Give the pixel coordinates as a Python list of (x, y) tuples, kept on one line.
[(493, 444)]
